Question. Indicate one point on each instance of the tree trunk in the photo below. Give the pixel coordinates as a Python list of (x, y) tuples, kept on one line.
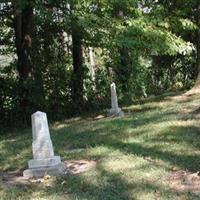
[(23, 40), (198, 46), (92, 63), (77, 76), (123, 70), (196, 87)]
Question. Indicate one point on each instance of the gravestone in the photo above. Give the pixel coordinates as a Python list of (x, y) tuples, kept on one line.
[(44, 161), (115, 110)]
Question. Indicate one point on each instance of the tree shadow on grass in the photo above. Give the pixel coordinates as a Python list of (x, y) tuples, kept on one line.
[(158, 98), (111, 185), (186, 162), (103, 184), (108, 186), (111, 126), (15, 149), (178, 135), (113, 134)]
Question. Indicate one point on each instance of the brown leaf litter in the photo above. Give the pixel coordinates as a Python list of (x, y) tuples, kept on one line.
[(182, 181)]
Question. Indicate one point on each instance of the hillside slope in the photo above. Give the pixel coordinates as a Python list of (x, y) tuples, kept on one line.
[(151, 153)]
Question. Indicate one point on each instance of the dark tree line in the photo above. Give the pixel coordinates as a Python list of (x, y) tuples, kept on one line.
[(146, 47)]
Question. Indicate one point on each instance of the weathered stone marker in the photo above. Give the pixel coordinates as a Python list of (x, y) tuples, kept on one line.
[(44, 161), (115, 110)]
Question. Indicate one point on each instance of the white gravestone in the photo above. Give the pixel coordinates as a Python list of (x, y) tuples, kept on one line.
[(115, 110), (44, 161)]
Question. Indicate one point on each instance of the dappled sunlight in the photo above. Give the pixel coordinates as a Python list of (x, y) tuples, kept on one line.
[(185, 161), (66, 123), (133, 166), (99, 151), (93, 102), (131, 157), (14, 152)]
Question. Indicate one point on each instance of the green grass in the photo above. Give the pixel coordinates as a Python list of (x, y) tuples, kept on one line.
[(134, 154)]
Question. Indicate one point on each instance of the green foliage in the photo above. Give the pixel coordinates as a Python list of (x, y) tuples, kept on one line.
[(146, 47)]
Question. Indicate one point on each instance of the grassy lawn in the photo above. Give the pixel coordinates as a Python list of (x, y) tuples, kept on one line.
[(134, 155)]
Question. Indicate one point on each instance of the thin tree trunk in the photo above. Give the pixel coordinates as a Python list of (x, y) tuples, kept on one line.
[(198, 46), (92, 63), (23, 40), (77, 57), (77, 76), (124, 68), (196, 87)]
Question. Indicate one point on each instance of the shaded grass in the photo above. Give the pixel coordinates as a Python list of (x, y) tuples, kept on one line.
[(133, 154)]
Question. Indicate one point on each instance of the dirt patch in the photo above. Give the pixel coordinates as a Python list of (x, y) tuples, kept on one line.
[(183, 181), (183, 97), (193, 91), (79, 166), (15, 178)]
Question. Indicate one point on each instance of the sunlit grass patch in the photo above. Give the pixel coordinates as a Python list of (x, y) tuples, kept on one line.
[(133, 154)]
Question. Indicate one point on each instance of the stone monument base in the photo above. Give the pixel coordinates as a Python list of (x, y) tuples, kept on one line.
[(116, 112), (39, 172), (39, 163)]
